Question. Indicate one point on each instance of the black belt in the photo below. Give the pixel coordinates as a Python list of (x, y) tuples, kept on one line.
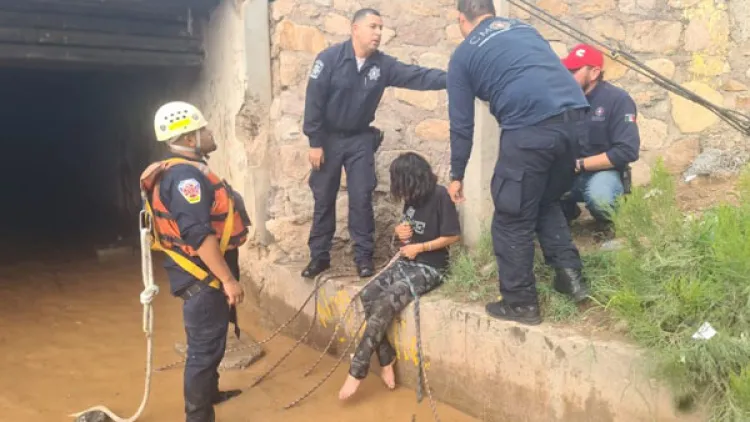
[(192, 290), (196, 288), (569, 115)]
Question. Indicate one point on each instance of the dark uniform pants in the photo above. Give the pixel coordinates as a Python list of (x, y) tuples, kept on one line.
[(206, 316), (536, 167), (383, 299), (357, 155)]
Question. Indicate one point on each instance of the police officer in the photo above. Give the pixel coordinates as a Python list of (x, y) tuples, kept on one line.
[(613, 141), (541, 109), (199, 222), (344, 89)]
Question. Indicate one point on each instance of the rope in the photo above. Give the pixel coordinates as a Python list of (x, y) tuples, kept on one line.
[(348, 308), (150, 290), (421, 372), (316, 291), (737, 120)]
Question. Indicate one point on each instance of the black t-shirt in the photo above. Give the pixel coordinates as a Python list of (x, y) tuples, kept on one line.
[(435, 218)]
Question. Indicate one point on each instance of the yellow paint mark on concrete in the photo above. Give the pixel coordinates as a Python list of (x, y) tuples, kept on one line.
[(710, 61)]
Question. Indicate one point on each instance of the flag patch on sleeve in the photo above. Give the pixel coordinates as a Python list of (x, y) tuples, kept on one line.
[(630, 118)]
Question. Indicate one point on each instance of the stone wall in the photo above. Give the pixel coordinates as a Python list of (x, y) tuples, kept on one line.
[(700, 44), (418, 32)]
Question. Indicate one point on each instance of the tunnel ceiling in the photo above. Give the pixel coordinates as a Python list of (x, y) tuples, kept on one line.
[(96, 33)]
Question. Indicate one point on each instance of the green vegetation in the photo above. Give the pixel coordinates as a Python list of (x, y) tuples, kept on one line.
[(674, 273)]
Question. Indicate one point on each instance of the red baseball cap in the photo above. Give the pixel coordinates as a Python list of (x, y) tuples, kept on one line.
[(583, 55)]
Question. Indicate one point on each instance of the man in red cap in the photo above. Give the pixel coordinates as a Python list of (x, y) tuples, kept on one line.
[(613, 142)]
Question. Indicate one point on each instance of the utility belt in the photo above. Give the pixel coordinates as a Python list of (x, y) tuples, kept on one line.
[(196, 287), (569, 115)]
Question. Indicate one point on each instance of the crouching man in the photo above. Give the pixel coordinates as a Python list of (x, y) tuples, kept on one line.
[(612, 144)]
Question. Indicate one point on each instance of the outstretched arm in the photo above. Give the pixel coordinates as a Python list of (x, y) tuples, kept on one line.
[(461, 115), (414, 77)]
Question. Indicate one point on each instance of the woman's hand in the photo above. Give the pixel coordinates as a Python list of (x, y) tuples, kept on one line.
[(411, 251), (404, 232)]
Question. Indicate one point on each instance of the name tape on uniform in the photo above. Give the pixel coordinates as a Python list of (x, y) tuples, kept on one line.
[(190, 189)]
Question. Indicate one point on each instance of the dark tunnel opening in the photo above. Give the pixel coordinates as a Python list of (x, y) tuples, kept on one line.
[(74, 144)]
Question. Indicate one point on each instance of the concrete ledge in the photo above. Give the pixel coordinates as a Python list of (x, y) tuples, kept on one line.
[(494, 370)]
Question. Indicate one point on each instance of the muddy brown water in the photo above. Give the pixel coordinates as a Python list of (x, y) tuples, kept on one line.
[(71, 338)]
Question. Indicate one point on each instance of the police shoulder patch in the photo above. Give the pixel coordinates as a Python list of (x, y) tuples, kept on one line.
[(190, 189), (317, 68)]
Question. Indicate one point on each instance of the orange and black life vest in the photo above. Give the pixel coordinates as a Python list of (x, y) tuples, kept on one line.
[(225, 220)]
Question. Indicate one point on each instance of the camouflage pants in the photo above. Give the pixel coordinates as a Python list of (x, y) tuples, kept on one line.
[(383, 299)]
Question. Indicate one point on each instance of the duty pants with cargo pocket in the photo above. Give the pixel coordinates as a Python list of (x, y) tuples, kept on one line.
[(383, 299), (357, 155), (535, 168), (206, 316)]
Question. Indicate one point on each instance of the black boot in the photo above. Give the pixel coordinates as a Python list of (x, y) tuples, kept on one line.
[(366, 268), (525, 314), (315, 267), (570, 281)]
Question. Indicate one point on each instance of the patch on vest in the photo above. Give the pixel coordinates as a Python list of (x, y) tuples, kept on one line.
[(190, 189)]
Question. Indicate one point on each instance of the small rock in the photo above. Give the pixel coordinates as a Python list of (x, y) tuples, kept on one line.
[(653, 133), (94, 416), (651, 36), (690, 117), (554, 7), (435, 130), (337, 24), (664, 67), (679, 155), (591, 8), (733, 85), (427, 100)]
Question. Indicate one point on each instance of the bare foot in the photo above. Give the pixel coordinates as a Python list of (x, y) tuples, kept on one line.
[(350, 387), (389, 377)]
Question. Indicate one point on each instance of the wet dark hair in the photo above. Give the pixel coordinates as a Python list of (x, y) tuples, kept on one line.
[(363, 13), (412, 179)]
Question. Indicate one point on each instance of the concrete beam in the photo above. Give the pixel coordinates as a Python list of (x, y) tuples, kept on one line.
[(478, 207), (256, 15), (476, 211)]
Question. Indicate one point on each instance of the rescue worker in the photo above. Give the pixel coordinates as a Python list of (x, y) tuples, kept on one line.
[(613, 140), (199, 222), (344, 90), (541, 110)]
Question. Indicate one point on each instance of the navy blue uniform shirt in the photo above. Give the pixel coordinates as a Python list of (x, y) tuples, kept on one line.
[(612, 125), (507, 63), (189, 196), (341, 98)]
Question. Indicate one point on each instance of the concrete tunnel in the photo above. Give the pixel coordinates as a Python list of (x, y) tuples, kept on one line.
[(80, 81)]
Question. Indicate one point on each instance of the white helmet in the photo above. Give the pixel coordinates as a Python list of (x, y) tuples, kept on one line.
[(177, 118)]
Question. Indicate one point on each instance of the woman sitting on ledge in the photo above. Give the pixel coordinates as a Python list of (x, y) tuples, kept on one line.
[(431, 226)]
